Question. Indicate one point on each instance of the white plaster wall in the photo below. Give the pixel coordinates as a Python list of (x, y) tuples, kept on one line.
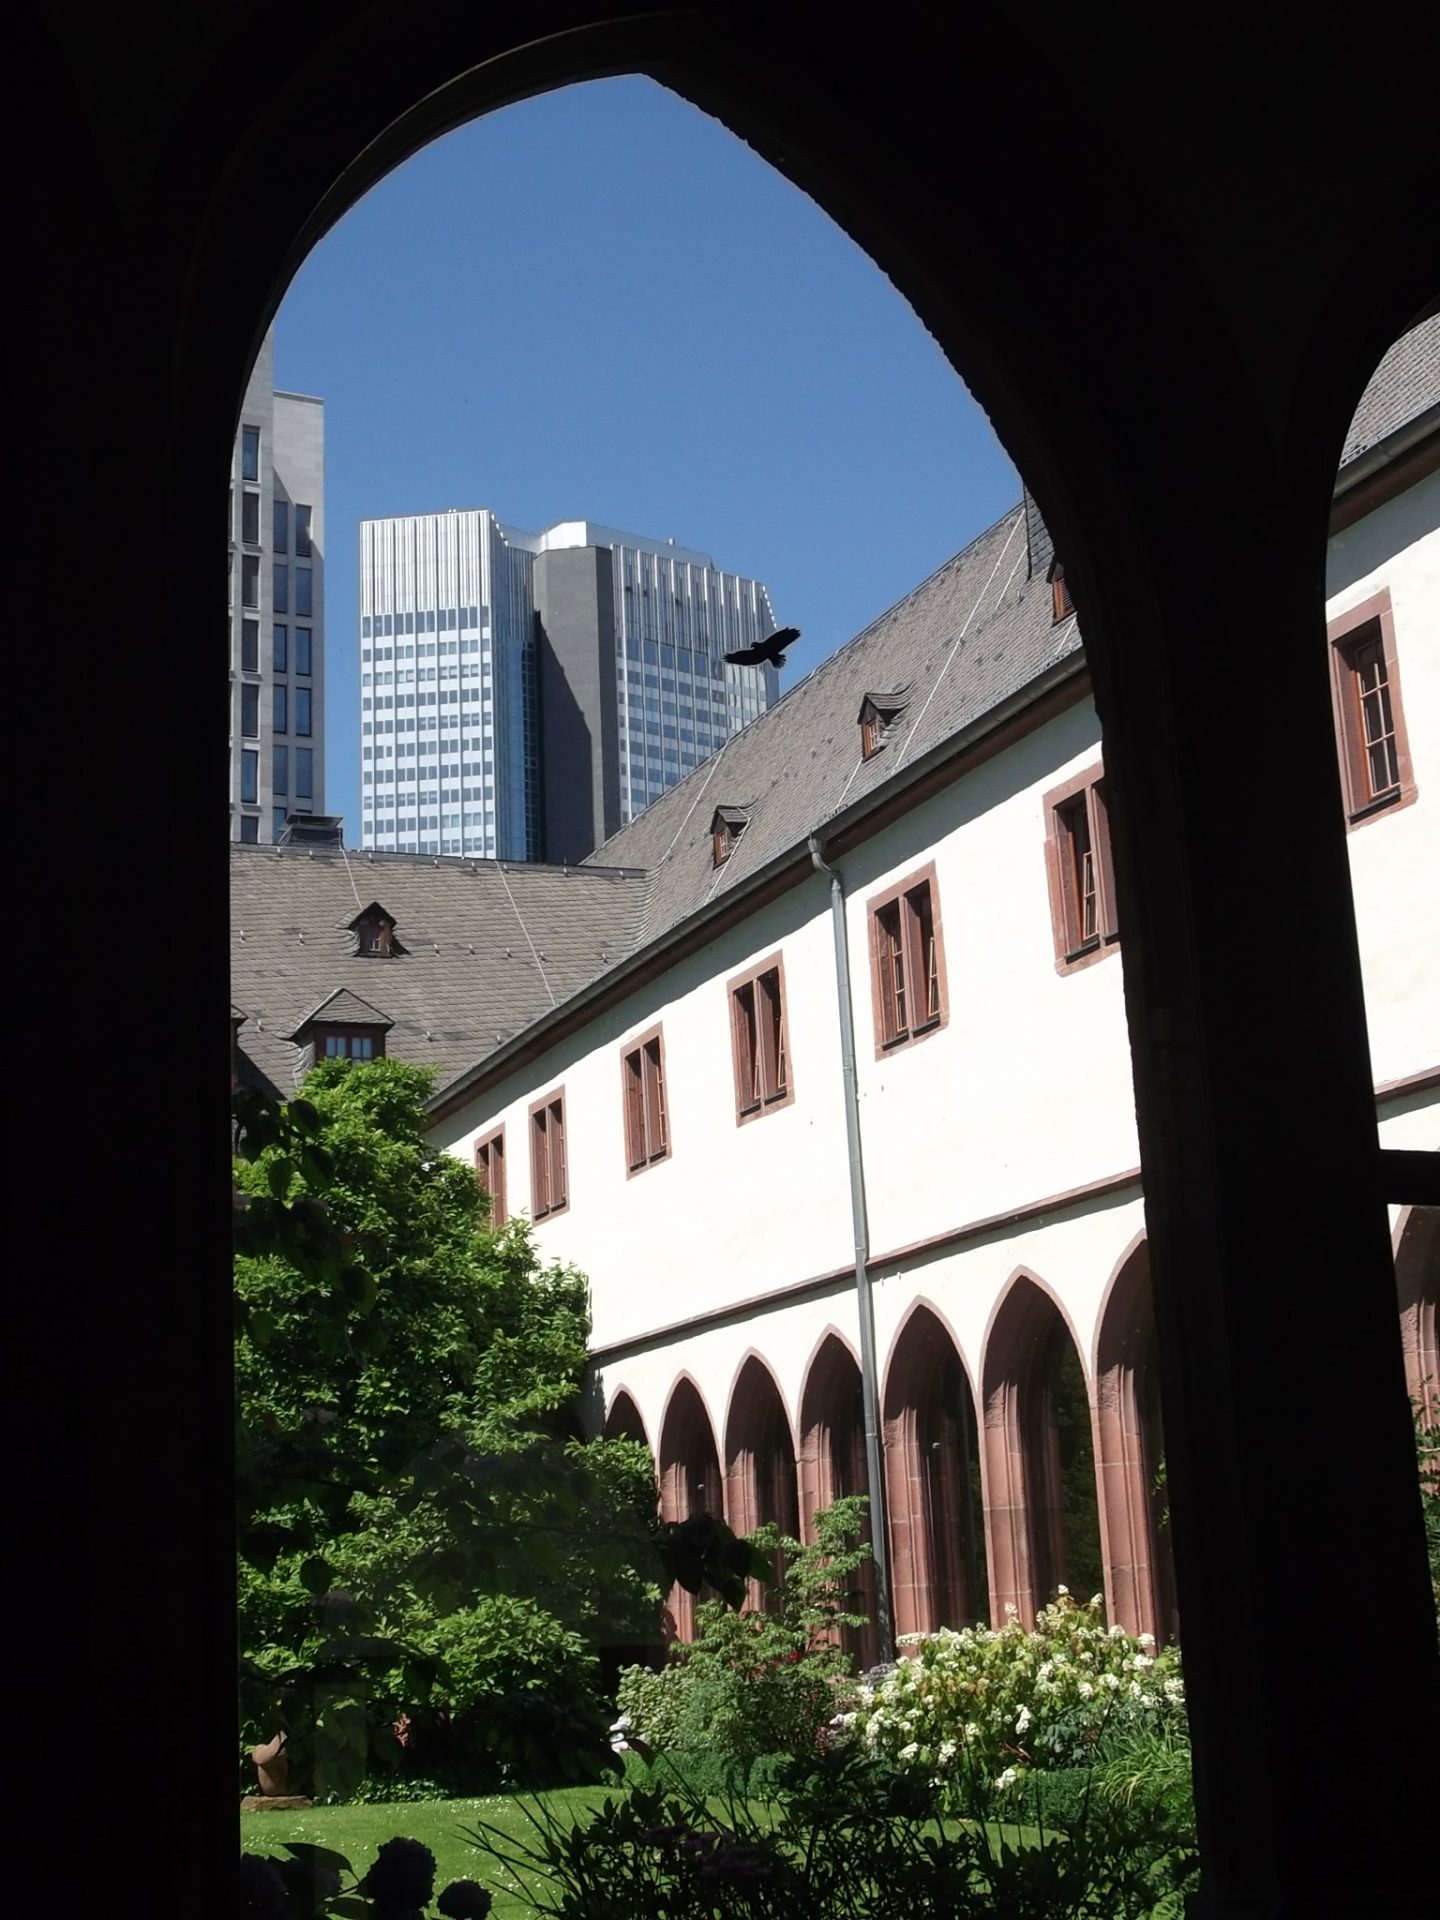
[(1395, 857), (736, 1210), (1025, 1094), (1075, 1256)]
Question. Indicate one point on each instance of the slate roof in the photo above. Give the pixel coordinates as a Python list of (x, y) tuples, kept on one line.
[(1406, 385), (977, 631), (487, 948), (342, 1008)]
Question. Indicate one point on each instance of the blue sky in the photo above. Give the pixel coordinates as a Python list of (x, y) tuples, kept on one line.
[(599, 304)]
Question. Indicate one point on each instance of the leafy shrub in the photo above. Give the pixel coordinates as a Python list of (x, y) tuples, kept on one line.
[(1006, 1699), (707, 1774), (761, 1681), (836, 1837)]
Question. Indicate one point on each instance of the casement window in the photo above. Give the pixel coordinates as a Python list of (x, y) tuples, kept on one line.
[(337, 1043), (1061, 603), (647, 1121), (1370, 721), (549, 1180), (1082, 886), (760, 1037), (907, 961), (871, 732), (490, 1173)]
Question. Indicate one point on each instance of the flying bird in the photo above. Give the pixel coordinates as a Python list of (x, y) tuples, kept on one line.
[(768, 653)]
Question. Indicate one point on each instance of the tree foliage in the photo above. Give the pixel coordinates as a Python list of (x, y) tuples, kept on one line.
[(423, 1535)]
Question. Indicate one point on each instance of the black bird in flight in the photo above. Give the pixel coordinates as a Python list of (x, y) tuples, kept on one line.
[(768, 653)]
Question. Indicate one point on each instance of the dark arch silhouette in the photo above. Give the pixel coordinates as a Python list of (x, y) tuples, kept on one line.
[(832, 1465), (1139, 1568), (623, 1421), (690, 1480), (1042, 1519), (933, 1482), (761, 1487)]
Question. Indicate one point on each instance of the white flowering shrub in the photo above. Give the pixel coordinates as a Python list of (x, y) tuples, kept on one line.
[(1003, 1700)]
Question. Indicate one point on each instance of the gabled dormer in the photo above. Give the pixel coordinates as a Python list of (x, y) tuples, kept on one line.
[(342, 1027), (726, 826), (878, 714), (374, 931)]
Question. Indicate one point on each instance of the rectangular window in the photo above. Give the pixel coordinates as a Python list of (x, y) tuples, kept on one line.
[(302, 532), (1374, 749), (249, 453), (249, 828), (549, 1185), (304, 774), (282, 587), (647, 1123), (302, 651), (281, 709), (760, 1040), (250, 646), (249, 579), (250, 712), (1077, 855), (304, 606), (250, 518), (249, 776), (282, 648), (282, 526), (907, 961), (490, 1174), (277, 823), (302, 710), (280, 770), (348, 1046), (1061, 605)]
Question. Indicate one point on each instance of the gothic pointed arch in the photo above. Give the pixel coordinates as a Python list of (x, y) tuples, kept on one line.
[(760, 1470), (1139, 1568), (623, 1421), (832, 1465), (1041, 1518), (1417, 1280), (690, 1480), (933, 1482)]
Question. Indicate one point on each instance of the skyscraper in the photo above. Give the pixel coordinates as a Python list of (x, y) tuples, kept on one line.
[(524, 695), (277, 607)]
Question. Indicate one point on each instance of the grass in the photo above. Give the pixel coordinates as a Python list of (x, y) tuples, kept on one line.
[(357, 1832)]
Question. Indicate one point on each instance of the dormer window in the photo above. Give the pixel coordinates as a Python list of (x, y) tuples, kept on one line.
[(726, 827), (878, 713), (374, 931), (342, 1027), (1060, 593)]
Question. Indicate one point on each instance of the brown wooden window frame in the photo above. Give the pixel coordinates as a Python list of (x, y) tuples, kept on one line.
[(549, 1163), (1061, 605), (1370, 624), (1084, 796), (490, 1173), (872, 734), (760, 1040), (644, 1101), (897, 916), (373, 1038)]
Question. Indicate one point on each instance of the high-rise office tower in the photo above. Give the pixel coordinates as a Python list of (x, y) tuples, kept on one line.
[(524, 695), (277, 607)]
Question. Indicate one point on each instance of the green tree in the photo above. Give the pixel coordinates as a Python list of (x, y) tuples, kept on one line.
[(421, 1530)]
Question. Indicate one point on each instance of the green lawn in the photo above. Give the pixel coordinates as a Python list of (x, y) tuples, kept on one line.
[(358, 1831)]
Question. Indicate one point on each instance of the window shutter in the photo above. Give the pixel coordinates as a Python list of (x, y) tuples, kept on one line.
[(539, 1164), (559, 1185), (1104, 868)]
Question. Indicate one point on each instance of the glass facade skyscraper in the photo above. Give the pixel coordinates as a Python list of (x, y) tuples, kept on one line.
[(524, 695)]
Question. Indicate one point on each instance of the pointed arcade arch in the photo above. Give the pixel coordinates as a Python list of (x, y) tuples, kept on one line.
[(1417, 1278), (932, 1478), (1139, 1569), (623, 1421), (1042, 1521), (760, 1480), (690, 1480), (832, 1465)]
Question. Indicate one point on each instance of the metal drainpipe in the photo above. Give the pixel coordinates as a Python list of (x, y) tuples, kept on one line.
[(874, 1451)]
